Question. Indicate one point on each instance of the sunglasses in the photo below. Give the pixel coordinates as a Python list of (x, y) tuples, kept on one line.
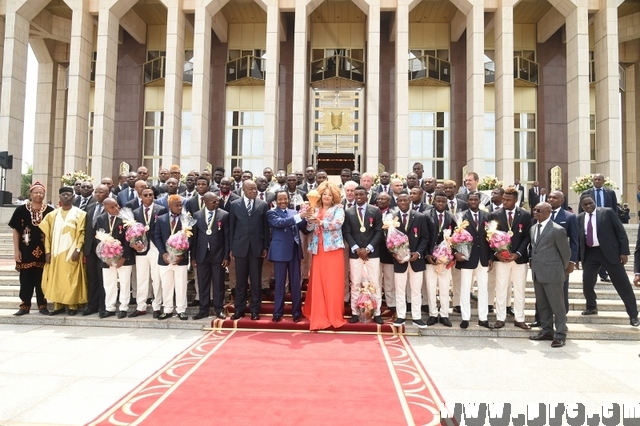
[(537, 210), (147, 195)]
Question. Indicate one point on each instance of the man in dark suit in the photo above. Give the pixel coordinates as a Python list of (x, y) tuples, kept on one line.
[(285, 251), (480, 263), (636, 261), (196, 202), (95, 288), (417, 200), (385, 183), (455, 204), (210, 254), (512, 269), (263, 191), (414, 225), (147, 259), (226, 195), (429, 188), (249, 244), (135, 202), (386, 260), (438, 220), (520, 188), (362, 229), (550, 254), (171, 187), (604, 243), (309, 180), (116, 277), (86, 201), (534, 195), (128, 193)]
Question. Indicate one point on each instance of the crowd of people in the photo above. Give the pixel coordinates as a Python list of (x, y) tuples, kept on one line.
[(301, 229)]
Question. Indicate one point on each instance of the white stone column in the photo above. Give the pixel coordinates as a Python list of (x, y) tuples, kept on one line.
[(372, 87), (402, 89), (272, 84), (630, 144), (608, 138), (173, 84), (475, 87), (1, 49), (505, 151), (45, 115), (59, 131), (81, 47), (300, 139)]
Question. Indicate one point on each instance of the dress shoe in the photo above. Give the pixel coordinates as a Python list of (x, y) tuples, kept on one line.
[(237, 315), (399, 322), (445, 321), (605, 279), (196, 302), (133, 301), (522, 325), (535, 324), (57, 312), (106, 314), (464, 324), (164, 316), (137, 314), (149, 300), (541, 336), (73, 312), (634, 321), (200, 315), (156, 314), (122, 314), (557, 343), (432, 321), (456, 309), (590, 311), (297, 318), (276, 319), (266, 292), (485, 324), (490, 309), (22, 311), (88, 311), (510, 311), (183, 316), (354, 319), (473, 297), (424, 309), (255, 316), (44, 311), (378, 320), (498, 324), (419, 323)]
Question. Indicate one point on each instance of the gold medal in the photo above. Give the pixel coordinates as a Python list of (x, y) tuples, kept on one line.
[(363, 229), (510, 233)]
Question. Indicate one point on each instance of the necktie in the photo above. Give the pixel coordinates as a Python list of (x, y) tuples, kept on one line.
[(174, 219), (130, 194), (249, 207), (430, 199), (237, 186), (453, 209), (262, 196), (209, 217), (440, 218), (349, 205), (475, 219), (510, 219), (404, 219), (97, 212), (538, 233), (146, 213), (361, 213), (416, 207), (83, 203), (385, 188), (590, 232), (553, 215), (599, 202), (200, 202), (112, 220), (536, 190)]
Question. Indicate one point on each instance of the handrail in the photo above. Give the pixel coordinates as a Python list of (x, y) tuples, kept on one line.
[(525, 69), (246, 67), (337, 66), (431, 67), (154, 69)]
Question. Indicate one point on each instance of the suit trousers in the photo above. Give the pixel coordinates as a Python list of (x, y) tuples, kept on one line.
[(466, 280), (507, 274), (388, 283), (438, 283), (455, 286), (491, 288), (248, 268), (174, 279), (110, 278), (593, 260), (361, 272), (551, 308), (291, 269), (415, 288), (147, 266), (94, 283), (210, 277)]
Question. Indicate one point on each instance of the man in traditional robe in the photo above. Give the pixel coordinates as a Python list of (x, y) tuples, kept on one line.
[(64, 281)]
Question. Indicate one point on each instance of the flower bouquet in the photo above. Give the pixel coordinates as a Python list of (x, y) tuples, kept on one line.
[(68, 179), (366, 302), (397, 242), (136, 233), (499, 241), (443, 254), (109, 249), (178, 243), (461, 239)]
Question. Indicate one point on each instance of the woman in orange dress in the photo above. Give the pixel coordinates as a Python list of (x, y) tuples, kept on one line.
[(324, 306)]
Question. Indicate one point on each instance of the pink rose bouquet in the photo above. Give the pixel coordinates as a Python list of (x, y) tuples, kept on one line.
[(499, 241), (397, 242), (366, 302), (178, 243), (461, 239), (443, 255), (109, 249), (136, 233)]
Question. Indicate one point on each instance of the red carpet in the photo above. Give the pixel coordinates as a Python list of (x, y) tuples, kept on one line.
[(285, 379)]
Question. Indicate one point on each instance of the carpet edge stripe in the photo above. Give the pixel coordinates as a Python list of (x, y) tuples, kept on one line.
[(396, 382)]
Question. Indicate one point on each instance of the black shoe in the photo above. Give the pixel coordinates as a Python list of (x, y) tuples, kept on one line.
[(132, 301), (200, 315), (399, 322), (354, 319), (378, 320), (88, 311), (237, 316), (605, 279), (473, 296), (557, 343), (165, 316), (122, 314), (419, 323), (297, 318), (432, 321), (255, 316), (149, 300), (220, 316), (57, 312), (73, 312), (535, 324), (106, 314), (22, 311), (590, 311), (490, 309), (457, 310), (424, 309), (266, 292), (485, 324), (44, 311), (276, 319), (510, 312), (137, 314), (634, 321), (445, 321), (196, 302), (183, 316), (156, 314), (541, 336), (464, 324)]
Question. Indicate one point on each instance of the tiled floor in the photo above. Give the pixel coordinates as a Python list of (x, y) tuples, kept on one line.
[(69, 375)]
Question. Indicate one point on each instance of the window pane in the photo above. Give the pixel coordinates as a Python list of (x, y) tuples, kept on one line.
[(415, 119)]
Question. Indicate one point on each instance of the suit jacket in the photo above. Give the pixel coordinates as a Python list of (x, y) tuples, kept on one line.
[(372, 234), (285, 235), (521, 225), (193, 204), (155, 210), (610, 199), (533, 197), (118, 233), (123, 197), (569, 222), (435, 231), (612, 237), (520, 189), (249, 232), (164, 201), (636, 254), (133, 204), (484, 198), (217, 245), (380, 188), (91, 202), (226, 205), (480, 251), (269, 198), (418, 233), (296, 199), (460, 207), (549, 254), (90, 242), (421, 208), (305, 186), (161, 234)]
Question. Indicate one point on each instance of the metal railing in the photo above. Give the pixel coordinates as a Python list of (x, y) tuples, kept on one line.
[(337, 66), (154, 70), (428, 66), (246, 67), (525, 70)]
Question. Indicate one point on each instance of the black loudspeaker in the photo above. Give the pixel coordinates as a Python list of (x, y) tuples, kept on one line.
[(6, 160), (5, 198)]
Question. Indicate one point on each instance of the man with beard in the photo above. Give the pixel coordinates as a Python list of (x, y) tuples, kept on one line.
[(309, 182)]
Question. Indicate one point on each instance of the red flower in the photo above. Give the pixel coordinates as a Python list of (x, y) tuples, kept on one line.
[(520, 228), (370, 221), (120, 229), (415, 232), (219, 225)]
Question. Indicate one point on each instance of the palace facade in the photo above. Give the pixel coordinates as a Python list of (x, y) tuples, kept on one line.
[(531, 89)]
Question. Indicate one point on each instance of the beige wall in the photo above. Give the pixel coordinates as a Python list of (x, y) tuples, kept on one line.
[(429, 98), (247, 36), (334, 35), (429, 36), (245, 98)]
